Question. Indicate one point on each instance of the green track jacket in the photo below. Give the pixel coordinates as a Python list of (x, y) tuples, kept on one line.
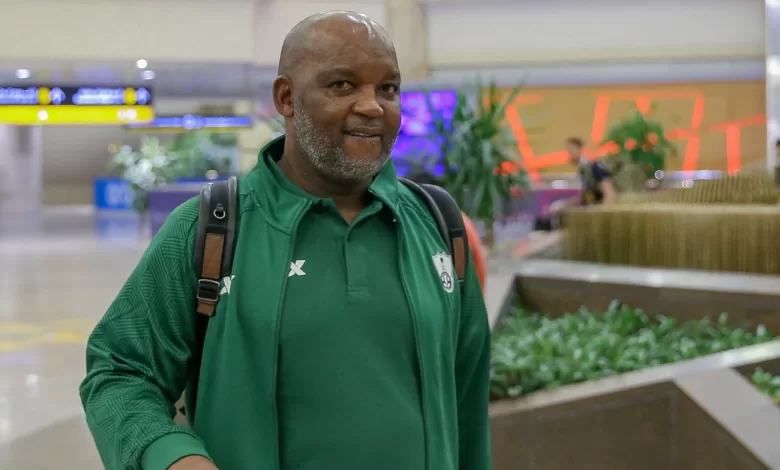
[(137, 355)]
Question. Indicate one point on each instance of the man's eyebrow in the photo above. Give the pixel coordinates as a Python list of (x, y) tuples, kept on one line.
[(341, 70)]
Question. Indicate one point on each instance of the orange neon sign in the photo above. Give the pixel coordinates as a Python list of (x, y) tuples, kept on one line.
[(691, 134)]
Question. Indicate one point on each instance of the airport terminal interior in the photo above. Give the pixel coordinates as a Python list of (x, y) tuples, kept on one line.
[(619, 161)]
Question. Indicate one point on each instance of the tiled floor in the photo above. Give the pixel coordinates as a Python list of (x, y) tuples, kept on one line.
[(56, 279), (58, 274)]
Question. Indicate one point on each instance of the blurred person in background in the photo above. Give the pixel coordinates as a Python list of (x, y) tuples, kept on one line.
[(475, 240), (338, 342), (595, 180)]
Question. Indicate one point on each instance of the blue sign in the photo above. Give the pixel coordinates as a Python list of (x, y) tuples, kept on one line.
[(113, 194), (192, 122), (42, 95)]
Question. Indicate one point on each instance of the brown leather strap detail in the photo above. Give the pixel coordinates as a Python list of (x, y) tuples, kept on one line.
[(206, 308), (459, 255), (212, 264)]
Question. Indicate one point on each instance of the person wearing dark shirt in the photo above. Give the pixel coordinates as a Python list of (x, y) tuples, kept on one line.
[(597, 186)]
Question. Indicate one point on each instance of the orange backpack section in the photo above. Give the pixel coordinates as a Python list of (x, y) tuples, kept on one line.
[(477, 250)]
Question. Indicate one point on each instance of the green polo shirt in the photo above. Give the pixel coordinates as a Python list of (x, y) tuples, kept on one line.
[(348, 383)]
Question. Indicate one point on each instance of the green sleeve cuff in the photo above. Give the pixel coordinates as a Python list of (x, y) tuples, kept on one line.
[(171, 448)]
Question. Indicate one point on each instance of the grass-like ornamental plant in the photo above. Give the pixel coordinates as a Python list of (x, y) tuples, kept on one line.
[(533, 352)]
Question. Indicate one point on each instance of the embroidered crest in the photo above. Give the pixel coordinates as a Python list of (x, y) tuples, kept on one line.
[(443, 263)]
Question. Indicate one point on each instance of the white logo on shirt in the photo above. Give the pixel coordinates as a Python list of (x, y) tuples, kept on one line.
[(443, 263), (296, 268), (226, 281)]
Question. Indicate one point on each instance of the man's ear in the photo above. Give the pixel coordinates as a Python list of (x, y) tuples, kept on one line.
[(282, 92)]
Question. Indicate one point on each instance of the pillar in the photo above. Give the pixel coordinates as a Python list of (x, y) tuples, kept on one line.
[(772, 31), (406, 23), (21, 171)]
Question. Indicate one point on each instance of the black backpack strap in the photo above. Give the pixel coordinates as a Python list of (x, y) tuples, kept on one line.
[(213, 257), (213, 260), (449, 220)]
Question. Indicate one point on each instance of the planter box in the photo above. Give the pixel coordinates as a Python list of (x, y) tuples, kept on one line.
[(163, 200), (715, 237), (698, 414)]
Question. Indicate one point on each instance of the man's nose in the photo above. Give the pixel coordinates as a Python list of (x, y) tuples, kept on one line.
[(367, 104)]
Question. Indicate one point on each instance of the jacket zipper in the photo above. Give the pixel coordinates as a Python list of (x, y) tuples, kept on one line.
[(417, 343), (290, 254)]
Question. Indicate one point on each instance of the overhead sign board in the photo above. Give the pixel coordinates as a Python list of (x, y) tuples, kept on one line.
[(193, 122), (51, 105)]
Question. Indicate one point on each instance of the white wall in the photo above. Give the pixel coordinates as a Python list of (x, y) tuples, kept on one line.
[(276, 17), (493, 33), (183, 30)]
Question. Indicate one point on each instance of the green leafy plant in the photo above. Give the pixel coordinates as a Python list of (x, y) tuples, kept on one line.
[(200, 152), (640, 141), (477, 146), (195, 154), (144, 168), (767, 383), (532, 352)]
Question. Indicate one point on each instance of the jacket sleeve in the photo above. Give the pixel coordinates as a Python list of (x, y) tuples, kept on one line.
[(472, 369), (137, 356)]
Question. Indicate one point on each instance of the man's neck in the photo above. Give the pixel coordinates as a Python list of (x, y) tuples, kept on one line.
[(350, 199)]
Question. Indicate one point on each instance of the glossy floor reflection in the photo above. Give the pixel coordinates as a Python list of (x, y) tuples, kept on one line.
[(59, 273)]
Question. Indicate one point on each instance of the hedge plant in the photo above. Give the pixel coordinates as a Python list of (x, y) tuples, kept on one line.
[(767, 383), (534, 352)]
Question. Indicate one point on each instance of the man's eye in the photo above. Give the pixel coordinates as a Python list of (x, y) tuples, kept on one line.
[(341, 85), (391, 88)]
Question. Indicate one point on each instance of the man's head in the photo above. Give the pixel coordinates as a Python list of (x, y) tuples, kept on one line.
[(339, 91), (574, 147)]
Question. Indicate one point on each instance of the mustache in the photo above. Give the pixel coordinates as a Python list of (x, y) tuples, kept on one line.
[(370, 128)]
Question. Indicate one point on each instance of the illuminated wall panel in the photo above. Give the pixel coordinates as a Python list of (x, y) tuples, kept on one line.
[(716, 126)]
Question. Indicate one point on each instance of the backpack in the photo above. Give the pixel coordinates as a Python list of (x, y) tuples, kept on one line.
[(216, 239), (627, 176)]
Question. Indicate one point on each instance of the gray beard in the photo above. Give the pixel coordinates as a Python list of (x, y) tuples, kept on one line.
[(329, 158)]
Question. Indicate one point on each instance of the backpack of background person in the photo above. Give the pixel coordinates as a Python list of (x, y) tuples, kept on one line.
[(626, 176), (216, 239)]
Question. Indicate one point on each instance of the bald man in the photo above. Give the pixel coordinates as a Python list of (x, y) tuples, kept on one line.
[(336, 343)]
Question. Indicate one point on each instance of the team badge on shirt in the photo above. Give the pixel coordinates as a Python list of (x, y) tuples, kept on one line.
[(443, 263)]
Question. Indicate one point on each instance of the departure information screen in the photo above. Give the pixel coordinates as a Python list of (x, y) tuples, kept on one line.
[(74, 96), (87, 105)]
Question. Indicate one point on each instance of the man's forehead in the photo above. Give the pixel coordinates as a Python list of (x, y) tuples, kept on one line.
[(333, 39), (346, 38)]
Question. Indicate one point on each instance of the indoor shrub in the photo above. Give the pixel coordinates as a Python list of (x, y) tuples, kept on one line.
[(476, 144), (533, 352), (767, 383)]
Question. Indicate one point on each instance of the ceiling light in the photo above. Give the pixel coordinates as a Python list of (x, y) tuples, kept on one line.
[(22, 73), (141, 63), (773, 66), (147, 74)]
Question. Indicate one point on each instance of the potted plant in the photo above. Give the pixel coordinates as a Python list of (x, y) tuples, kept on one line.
[(197, 154), (144, 168), (475, 144), (636, 146)]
